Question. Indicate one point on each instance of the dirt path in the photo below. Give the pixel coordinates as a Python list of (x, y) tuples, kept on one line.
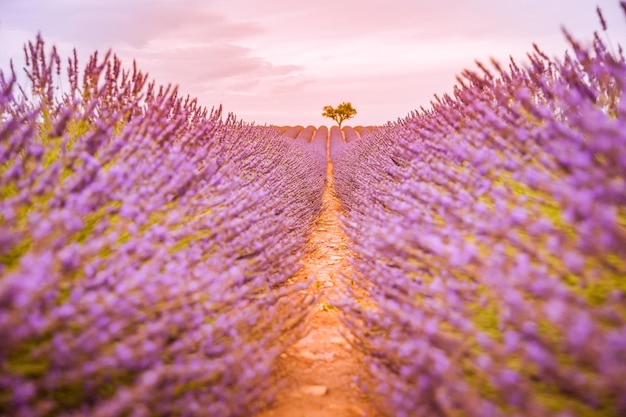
[(319, 370)]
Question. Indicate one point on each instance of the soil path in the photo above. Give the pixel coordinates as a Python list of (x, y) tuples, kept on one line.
[(319, 370)]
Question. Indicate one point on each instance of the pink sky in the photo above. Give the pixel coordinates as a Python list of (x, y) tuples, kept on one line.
[(279, 62)]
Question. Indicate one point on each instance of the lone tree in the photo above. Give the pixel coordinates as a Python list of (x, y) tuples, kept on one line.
[(343, 112)]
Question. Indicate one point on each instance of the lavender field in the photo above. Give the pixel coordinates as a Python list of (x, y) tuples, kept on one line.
[(490, 230), (148, 244), (145, 246)]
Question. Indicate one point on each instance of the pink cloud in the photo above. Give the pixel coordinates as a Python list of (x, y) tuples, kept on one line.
[(212, 62), (106, 23)]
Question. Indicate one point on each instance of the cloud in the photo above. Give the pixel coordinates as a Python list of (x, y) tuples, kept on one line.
[(349, 19), (211, 62), (137, 23), (178, 42)]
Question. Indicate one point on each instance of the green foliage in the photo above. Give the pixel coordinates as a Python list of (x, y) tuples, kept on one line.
[(342, 112)]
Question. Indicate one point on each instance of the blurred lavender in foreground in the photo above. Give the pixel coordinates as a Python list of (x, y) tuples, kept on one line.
[(490, 231), (145, 245)]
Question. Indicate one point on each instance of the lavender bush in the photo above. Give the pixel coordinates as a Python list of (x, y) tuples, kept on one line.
[(145, 244), (490, 231)]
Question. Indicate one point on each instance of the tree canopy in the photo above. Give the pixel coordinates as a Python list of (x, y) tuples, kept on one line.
[(340, 113)]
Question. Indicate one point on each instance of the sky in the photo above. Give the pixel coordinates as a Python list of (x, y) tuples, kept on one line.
[(281, 61)]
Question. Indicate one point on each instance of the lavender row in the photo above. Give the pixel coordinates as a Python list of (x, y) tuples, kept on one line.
[(145, 243), (490, 231)]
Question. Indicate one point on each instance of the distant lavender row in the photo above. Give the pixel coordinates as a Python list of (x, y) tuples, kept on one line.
[(490, 231), (144, 244)]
